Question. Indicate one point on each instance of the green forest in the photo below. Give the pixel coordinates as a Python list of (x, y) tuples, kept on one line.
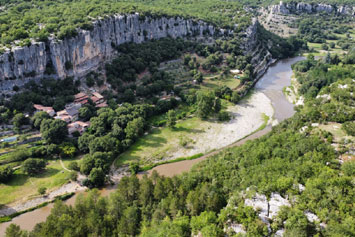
[(182, 87), (20, 20), (210, 196)]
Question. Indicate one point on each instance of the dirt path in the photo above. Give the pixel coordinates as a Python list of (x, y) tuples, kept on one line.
[(63, 166)]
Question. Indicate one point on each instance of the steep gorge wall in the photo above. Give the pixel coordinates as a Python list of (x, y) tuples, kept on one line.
[(85, 52), (261, 56), (309, 8)]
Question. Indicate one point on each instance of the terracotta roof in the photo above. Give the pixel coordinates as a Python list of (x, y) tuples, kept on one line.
[(44, 108), (102, 105), (83, 124), (79, 126), (83, 102), (79, 95), (94, 99), (62, 113), (65, 118), (98, 95), (38, 107)]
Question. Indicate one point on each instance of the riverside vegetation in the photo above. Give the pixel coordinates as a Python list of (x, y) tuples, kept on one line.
[(138, 77), (137, 81), (208, 198)]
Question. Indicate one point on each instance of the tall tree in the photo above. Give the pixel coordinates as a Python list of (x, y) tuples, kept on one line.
[(54, 131), (171, 118)]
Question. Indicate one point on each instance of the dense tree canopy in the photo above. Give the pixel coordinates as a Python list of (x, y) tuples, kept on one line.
[(212, 195), (54, 130), (37, 19)]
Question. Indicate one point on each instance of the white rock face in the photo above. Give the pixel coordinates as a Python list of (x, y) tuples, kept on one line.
[(276, 201), (267, 209), (311, 216), (301, 187), (280, 233), (301, 7), (343, 86), (325, 97), (89, 49)]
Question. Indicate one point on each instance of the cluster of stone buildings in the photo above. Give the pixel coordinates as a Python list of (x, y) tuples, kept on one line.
[(96, 98), (71, 112)]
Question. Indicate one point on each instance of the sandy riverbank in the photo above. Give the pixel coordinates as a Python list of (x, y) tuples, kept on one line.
[(65, 189), (246, 118)]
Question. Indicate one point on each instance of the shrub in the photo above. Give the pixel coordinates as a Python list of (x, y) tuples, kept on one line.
[(42, 190), (348, 168), (6, 174), (134, 168), (74, 166), (73, 176), (223, 116), (349, 128), (184, 141), (33, 166)]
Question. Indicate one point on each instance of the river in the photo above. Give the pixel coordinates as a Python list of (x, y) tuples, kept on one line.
[(271, 84)]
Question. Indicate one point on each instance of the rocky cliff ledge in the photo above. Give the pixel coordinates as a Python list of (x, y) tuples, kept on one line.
[(300, 7), (85, 52)]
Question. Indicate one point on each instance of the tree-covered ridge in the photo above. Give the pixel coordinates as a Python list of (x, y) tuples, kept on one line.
[(211, 196), (38, 19), (328, 88)]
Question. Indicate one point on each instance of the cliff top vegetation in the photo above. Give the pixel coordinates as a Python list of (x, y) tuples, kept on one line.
[(21, 20)]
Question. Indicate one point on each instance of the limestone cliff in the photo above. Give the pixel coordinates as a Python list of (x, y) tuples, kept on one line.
[(85, 52), (261, 56), (301, 7)]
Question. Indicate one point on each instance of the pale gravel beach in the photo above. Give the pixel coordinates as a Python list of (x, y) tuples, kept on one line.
[(247, 118), (71, 187)]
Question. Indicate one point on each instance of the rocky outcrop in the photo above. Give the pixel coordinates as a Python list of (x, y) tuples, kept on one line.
[(309, 8), (267, 209), (261, 56), (78, 55)]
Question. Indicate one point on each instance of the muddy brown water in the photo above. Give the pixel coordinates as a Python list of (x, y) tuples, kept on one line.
[(271, 84)]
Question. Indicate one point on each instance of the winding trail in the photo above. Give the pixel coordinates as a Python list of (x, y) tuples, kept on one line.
[(63, 166)]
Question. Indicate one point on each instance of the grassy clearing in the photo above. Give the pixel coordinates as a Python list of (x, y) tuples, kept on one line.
[(337, 49), (154, 146), (194, 136), (22, 186), (321, 52), (149, 167), (336, 130), (62, 198), (215, 82)]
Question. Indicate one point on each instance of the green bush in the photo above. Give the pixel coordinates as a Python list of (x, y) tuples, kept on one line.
[(349, 128), (74, 166), (73, 176), (42, 190), (223, 116)]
